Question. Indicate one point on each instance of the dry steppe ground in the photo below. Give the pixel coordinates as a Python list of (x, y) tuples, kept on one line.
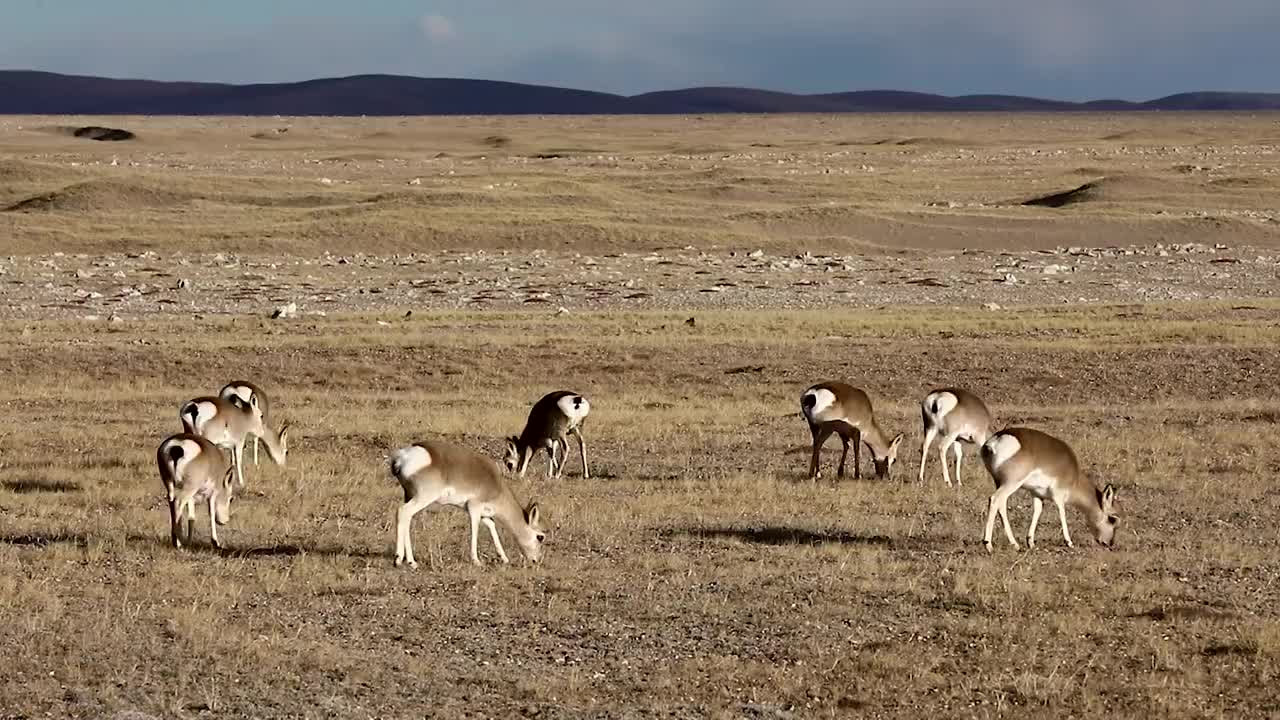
[(696, 574)]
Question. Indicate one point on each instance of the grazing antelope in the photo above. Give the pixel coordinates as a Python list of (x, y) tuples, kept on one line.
[(252, 396), (959, 416), (1046, 467), (192, 468), (552, 419), (226, 423), (440, 473), (835, 407)]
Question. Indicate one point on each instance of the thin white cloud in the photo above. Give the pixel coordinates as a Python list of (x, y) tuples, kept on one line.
[(438, 28)]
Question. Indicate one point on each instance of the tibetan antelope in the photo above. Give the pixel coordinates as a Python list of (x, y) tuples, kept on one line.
[(835, 407), (192, 468), (226, 423), (1046, 467), (252, 396), (958, 416), (552, 419), (440, 473)]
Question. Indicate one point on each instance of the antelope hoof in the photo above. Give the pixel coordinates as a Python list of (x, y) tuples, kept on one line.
[(987, 544), (217, 544)]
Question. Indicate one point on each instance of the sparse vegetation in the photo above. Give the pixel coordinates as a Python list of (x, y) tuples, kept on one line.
[(835, 184), (696, 574)]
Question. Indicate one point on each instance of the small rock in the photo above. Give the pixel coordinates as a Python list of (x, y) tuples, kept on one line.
[(83, 274), (755, 254), (114, 318), (562, 310), (416, 181), (326, 181), (1009, 279), (992, 306), (285, 311), (182, 284), (691, 322)]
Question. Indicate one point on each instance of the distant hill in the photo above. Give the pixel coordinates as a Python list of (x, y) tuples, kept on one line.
[(29, 92)]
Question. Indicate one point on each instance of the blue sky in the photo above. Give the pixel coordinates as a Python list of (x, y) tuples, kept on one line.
[(1072, 49)]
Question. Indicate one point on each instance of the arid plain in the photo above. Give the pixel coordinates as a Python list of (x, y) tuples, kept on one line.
[(690, 276)]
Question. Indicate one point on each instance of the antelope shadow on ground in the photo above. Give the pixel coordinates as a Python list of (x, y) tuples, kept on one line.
[(780, 535), (39, 485), (45, 539)]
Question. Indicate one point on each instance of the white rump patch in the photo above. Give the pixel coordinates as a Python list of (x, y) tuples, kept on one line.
[(244, 394), (190, 451), (575, 414), (940, 404), (407, 462), (239, 391), (205, 411), (819, 412), (1002, 447)]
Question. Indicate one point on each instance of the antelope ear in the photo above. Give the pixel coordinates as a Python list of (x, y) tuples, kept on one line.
[(897, 440), (229, 478), (284, 434), (531, 514), (1109, 493)]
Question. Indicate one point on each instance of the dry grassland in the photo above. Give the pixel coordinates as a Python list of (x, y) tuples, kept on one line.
[(697, 574)]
